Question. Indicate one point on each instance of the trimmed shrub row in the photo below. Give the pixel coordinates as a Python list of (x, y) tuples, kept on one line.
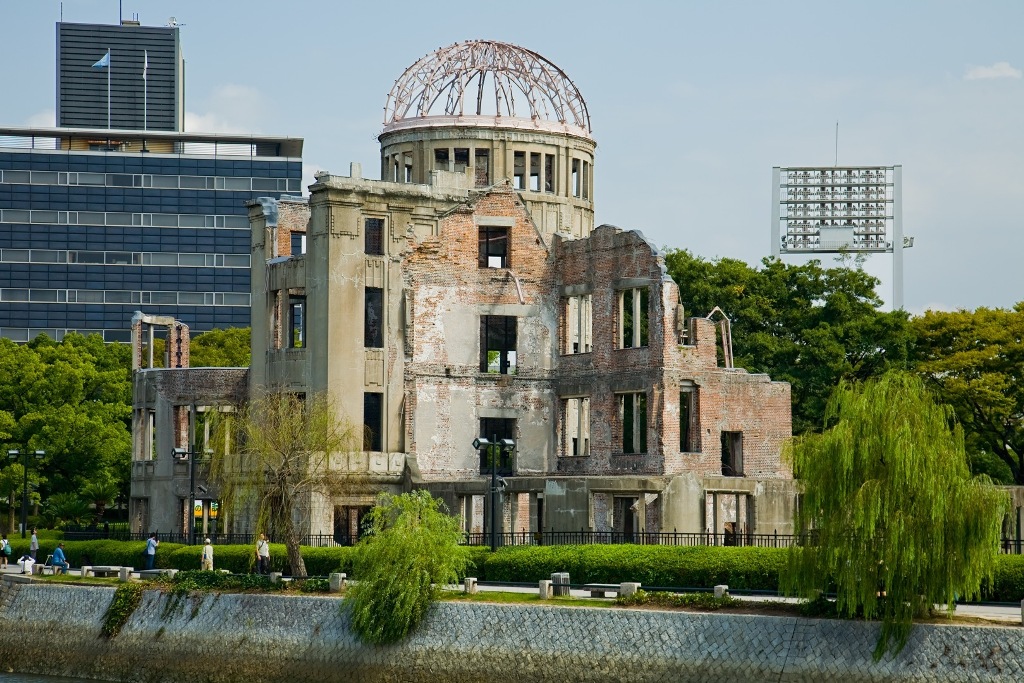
[(653, 566)]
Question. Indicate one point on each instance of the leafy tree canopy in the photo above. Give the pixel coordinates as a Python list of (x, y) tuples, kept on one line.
[(805, 324), (228, 348), (898, 522), (975, 361)]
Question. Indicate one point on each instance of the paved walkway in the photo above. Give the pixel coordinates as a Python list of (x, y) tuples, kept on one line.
[(1003, 614)]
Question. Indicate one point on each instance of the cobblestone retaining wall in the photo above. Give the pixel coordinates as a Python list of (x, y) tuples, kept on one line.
[(258, 638)]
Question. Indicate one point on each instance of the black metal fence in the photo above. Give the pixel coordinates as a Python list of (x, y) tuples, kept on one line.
[(1009, 546)]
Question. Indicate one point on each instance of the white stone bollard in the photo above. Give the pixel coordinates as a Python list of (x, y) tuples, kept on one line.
[(544, 589), (337, 582), (85, 570), (124, 574), (469, 585), (628, 588), (721, 590), (275, 577)]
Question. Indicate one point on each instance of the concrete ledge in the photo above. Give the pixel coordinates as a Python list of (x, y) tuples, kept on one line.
[(18, 578)]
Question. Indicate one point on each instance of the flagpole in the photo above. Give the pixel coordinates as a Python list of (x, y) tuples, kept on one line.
[(110, 67)]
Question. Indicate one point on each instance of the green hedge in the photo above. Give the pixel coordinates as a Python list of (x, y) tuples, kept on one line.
[(1008, 585), (692, 567)]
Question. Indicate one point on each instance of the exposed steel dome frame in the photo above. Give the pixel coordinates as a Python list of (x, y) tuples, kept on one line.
[(449, 74)]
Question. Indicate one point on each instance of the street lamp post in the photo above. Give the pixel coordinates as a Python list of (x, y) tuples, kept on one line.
[(13, 455), (494, 449), (190, 455)]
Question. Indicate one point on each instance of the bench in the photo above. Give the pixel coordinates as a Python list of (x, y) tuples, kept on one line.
[(100, 571), (44, 568), (156, 573), (601, 590)]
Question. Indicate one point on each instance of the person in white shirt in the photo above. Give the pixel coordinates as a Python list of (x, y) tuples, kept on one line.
[(208, 556), (263, 555)]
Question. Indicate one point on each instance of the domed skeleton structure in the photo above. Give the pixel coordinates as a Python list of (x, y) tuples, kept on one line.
[(487, 83)]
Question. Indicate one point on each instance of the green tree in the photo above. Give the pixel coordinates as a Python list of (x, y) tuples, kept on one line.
[(100, 493), (804, 324), (899, 523), (63, 509), (975, 361), (278, 457), (410, 552), (228, 348)]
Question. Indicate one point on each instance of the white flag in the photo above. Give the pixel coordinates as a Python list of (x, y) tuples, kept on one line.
[(145, 65)]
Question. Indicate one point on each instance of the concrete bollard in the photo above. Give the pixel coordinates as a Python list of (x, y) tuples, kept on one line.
[(275, 577), (721, 590), (337, 582), (544, 589), (124, 574), (86, 568), (560, 584), (628, 588), (469, 585)]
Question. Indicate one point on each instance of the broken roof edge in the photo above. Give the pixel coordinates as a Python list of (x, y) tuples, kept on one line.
[(657, 253)]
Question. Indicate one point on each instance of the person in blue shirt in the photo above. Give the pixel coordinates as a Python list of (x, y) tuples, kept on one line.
[(59, 561), (151, 545)]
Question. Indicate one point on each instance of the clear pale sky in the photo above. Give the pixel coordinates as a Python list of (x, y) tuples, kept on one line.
[(692, 103)]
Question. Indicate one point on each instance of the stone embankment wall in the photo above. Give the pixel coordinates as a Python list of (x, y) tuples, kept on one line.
[(55, 630)]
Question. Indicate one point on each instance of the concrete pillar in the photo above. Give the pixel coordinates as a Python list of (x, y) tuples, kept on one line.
[(469, 585), (85, 570), (275, 577), (560, 583), (544, 589), (124, 574), (721, 591), (628, 588), (338, 582)]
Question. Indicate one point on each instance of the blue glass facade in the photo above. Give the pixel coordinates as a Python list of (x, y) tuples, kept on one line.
[(89, 237)]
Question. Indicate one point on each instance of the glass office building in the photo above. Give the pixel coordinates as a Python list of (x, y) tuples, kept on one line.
[(96, 224)]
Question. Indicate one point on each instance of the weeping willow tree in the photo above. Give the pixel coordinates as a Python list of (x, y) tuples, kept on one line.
[(899, 525), (274, 455), (412, 550)]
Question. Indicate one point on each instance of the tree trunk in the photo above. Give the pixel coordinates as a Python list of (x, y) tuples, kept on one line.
[(291, 543), (10, 513)]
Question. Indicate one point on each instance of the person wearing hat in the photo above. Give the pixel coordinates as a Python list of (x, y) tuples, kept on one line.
[(208, 556)]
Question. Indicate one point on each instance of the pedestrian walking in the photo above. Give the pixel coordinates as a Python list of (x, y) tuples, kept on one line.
[(33, 545), (5, 551), (208, 556), (263, 555)]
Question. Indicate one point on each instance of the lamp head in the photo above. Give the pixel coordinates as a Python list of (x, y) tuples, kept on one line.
[(180, 453), (508, 444), (13, 453), (39, 454), (481, 442)]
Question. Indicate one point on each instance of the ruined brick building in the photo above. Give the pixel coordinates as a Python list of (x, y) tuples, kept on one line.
[(468, 294)]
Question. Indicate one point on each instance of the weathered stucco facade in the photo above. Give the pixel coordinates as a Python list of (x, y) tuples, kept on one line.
[(466, 295)]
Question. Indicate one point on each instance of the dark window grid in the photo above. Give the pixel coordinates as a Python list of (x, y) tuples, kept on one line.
[(374, 236), (497, 428), (373, 318), (373, 419)]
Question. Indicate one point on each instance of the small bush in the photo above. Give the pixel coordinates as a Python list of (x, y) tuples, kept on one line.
[(1008, 584), (314, 585), (702, 601), (127, 598)]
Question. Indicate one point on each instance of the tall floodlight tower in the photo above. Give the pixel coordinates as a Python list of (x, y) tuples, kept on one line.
[(841, 209)]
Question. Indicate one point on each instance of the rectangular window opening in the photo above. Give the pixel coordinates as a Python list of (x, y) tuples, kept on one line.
[(633, 419), (549, 173), (535, 172), (577, 426), (732, 454), (482, 167), (578, 325), (374, 238), (689, 422), (408, 167), (633, 330), (461, 159), (373, 420), (519, 170), (497, 428), (586, 180), (493, 247), (575, 177), (297, 322), (498, 344), (441, 159), (373, 318)]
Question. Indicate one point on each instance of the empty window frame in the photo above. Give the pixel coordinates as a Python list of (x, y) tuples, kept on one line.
[(374, 236), (732, 454), (373, 421), (373, 318), (577, 426), (482, 167), (689, 421), (298, 243), (441, 159), (578, 324), (498, 344), (519, 170), (461, 159), (549, 173), (407, 159), (575, 177), (296, 322), (498, 428), (535, 172), (633, 419), (493, 247), (586, 180), (633, 305)]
